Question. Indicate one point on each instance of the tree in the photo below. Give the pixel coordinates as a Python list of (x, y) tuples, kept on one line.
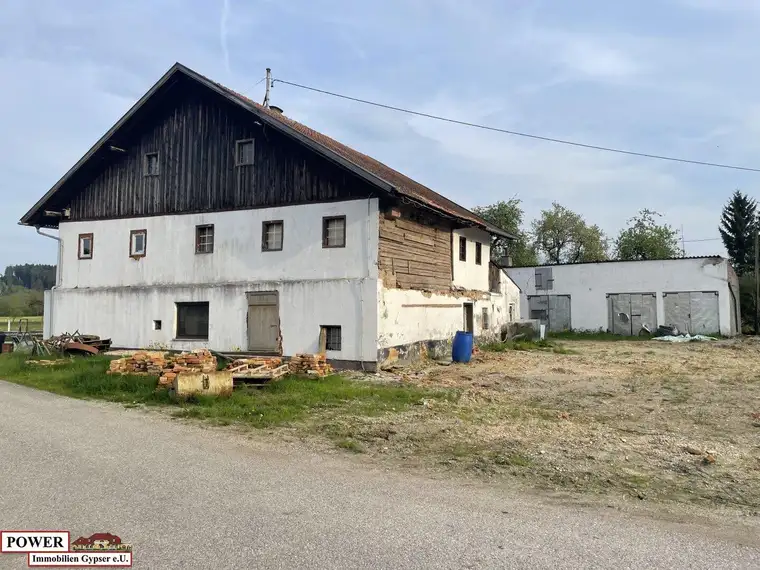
[(564, 237), (508, 216), (738, 224), (644, 239)]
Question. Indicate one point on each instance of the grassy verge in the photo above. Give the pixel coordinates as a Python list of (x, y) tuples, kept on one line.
[(593, 335), (290, 401)]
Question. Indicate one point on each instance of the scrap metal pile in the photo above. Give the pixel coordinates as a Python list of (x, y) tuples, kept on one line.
[(66, 343)]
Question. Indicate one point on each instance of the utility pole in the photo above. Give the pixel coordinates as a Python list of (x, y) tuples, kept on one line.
[(269, 86), (683, 243), (757, 281)]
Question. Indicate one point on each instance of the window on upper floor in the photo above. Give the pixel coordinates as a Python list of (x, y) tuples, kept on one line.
[(204, 239), (244, 152), (192, 320), (138, 243), (151, 164), (86, 242), (462, 249), (271, 235), (478, 253), (334, 231)]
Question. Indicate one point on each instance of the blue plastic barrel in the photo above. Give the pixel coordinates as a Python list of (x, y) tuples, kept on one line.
[(461, 350)]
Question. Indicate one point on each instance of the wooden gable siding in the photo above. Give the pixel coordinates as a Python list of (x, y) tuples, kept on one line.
[(415, 254), (195, 140)]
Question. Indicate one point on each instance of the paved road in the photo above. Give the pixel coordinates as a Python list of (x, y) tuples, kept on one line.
[(188, 497)]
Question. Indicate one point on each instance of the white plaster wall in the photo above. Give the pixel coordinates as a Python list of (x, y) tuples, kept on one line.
[(126, 314), (588, 284), (468, 274), (400, 324), (237, 256)]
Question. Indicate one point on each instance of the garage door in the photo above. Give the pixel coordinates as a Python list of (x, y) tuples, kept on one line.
[(695, 312), (552, 310), (629, 312)]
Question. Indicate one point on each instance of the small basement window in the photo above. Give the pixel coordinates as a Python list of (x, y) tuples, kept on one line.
[(156, 325), (333, 339), (138, 242), (244, 152), (204, 239), (151, 164), (271, 236), (478, 253), (486, 319), (462, 249), (192, 321), (334, 231), (85, 246)]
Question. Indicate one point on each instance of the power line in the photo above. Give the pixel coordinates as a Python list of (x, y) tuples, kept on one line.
[(705, 239), (520, 134)]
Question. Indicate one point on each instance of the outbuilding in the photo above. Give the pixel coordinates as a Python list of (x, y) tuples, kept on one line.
[(699, 295)]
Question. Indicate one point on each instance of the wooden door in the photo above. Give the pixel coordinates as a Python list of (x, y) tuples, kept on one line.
[(263, 322), (469, 326)]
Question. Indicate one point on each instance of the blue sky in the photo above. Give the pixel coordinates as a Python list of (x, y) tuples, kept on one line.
[(668, 76)]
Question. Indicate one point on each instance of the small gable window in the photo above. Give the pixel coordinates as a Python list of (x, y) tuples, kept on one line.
[(151, 164), (244, 153), (85, 246), (138, 242)]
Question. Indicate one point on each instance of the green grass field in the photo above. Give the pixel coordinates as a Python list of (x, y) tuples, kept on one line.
[(35, 323)]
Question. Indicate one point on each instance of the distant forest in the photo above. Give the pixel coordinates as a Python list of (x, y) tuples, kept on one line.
[(21, 288)]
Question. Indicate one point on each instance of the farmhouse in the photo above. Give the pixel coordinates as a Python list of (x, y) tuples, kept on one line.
[(205, 220), (699, 295)]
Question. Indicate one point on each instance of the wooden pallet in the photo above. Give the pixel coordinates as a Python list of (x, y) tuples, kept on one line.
[(259, 376)]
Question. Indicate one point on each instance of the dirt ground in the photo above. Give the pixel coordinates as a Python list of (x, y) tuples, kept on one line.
[(649, 420)]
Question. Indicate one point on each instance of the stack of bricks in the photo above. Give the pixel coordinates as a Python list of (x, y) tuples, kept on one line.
[(311, 364), (139, 363), (165, 366)]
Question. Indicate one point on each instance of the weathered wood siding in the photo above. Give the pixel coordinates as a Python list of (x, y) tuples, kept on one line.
[(194, 134), (415, 254)]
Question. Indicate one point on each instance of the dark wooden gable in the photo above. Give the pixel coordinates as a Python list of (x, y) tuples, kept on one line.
[(194, 131)]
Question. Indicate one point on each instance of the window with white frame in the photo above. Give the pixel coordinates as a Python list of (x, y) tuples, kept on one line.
[(204, 239), (86, 242), (271, 235), (138, 243)]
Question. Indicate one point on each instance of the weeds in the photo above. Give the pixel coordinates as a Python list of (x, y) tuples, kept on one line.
[(520, 344)]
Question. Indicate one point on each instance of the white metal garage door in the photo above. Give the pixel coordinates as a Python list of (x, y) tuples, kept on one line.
[(552, 310), (695, 312), (640, 309)]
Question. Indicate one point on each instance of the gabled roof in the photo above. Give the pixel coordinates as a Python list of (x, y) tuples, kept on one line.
[(366, 167)]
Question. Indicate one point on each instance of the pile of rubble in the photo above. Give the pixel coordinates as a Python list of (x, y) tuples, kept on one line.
[(166, 366), (311, 364)]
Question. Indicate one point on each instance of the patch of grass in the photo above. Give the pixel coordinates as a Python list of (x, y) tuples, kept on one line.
[(593, 335), (284, 402), (518, 344), (82, 377), (521, 345), (350, 445)]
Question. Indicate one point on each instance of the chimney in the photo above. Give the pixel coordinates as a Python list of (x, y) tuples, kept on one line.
[(275, 109)]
